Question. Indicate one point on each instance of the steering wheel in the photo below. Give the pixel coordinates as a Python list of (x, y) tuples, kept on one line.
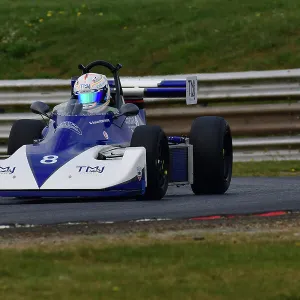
[(113, 69)]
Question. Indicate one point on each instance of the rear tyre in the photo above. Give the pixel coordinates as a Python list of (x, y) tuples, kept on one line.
[(212, 155), (157, 158), (24, 132)]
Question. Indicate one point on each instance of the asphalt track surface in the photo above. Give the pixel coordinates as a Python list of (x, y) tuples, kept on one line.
[(245, 196)]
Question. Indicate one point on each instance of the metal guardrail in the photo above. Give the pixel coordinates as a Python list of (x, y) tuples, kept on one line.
[(243, 154), (206, 94), (262, 85), (272, 155), (245, 120), (145, 81)]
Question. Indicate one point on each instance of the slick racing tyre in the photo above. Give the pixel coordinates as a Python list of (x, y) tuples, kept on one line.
[(212, 155), (157, 158), (24, 132)]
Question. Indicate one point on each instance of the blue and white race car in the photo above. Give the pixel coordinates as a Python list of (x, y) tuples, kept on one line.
[(112, 152)]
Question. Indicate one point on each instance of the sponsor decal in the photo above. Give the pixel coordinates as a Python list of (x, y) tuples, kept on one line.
[(98, 85), (132, 122), (139, 173), (96, 79), (99, 122), (49, 159), (105, 135), (7, 170), (89, 169), (85, 86), (86, 92), (71, 126)]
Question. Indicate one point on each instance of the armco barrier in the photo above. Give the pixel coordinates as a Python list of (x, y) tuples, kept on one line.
[(245, 120)]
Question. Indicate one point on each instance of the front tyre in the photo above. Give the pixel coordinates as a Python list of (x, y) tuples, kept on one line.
[(154, 140), (24, 132)]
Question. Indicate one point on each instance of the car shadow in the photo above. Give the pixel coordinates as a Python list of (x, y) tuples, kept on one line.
[(49, 200), (65, 200), (53, 200)]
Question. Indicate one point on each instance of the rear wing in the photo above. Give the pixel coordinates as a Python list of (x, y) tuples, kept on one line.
[(145, 89)]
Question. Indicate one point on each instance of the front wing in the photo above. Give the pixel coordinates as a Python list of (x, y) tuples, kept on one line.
[(82, 176)]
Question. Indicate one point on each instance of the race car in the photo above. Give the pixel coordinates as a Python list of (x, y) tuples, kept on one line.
[(70, 154)]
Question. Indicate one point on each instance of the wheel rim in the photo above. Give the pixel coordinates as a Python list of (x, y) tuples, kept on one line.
[(162, 165)]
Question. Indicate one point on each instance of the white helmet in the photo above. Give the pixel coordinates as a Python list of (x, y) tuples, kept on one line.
[(92, 90)]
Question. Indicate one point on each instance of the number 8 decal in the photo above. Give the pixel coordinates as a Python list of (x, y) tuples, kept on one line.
[(49, 159)]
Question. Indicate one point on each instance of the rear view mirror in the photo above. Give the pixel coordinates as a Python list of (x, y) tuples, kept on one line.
[(129, 110), (40, 108)]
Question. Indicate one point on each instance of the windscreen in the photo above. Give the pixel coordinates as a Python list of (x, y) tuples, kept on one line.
[(75, 108)]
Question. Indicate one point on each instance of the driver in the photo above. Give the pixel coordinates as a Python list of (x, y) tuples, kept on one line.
[(93, 92)]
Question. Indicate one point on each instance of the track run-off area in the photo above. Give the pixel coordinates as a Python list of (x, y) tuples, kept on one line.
[(246, 195)]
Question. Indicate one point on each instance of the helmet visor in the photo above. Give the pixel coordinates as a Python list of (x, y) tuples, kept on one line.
[(87, 98)]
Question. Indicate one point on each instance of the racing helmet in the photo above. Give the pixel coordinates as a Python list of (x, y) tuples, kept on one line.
[(92, 90)]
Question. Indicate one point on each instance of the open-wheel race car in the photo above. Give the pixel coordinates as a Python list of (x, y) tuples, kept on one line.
[(112, 152)]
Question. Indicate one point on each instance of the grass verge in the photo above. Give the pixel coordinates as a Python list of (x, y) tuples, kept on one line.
[(256, 266), (50, 38), (267, 168)]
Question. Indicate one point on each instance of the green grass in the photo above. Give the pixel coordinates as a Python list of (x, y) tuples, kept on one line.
[(267, 168), (49, 38), (227, 268)]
